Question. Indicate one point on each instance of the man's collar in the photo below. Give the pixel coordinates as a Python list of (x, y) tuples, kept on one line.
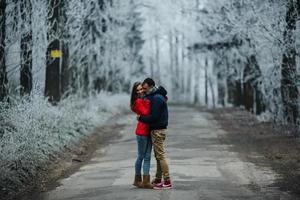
[(152, 90)]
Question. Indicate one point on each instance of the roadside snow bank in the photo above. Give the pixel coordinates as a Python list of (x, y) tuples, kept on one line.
[(32, 132)]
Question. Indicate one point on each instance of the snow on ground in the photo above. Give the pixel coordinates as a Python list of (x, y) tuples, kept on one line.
[(32, 131)]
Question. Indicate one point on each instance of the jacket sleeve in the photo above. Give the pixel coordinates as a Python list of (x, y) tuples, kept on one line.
[(155, 111), (140, 107)]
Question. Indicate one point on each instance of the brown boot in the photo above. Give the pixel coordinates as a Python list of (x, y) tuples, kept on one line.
[(137, 181), (146, 182)]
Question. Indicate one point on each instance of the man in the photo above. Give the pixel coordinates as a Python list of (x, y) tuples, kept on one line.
[(158, 121)]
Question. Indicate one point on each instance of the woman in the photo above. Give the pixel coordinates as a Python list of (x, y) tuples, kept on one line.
[(141, 106)]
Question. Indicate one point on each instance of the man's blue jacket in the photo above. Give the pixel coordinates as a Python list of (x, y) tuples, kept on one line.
[(158, 117)]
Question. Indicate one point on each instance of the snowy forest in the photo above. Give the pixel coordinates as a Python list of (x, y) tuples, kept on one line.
[(65, 66)]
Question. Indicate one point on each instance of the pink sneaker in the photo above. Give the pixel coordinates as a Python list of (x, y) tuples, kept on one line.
[(163, 186), (157, 184)]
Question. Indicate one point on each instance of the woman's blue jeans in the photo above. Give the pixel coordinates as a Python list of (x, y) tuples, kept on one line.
[(144, 147)]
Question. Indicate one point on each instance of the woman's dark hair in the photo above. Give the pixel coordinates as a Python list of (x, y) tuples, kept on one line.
[(134, 93), (150, 82)]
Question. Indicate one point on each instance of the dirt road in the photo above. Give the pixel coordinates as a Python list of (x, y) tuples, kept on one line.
[(201, 167)]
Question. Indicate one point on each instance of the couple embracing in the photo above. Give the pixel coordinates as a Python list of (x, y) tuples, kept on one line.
[(150, 104)]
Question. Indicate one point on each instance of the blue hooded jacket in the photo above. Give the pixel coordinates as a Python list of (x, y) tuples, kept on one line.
[(158, 117)]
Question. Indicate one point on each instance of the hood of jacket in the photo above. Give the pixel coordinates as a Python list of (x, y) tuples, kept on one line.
[(159, 90)]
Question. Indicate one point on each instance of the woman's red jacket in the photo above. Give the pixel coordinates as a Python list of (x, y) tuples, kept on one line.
[(142, 107)]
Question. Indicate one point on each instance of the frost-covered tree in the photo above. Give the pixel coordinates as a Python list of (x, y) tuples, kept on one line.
[(134, 40), (266, 61), (168, 30), (104, 45), (247, 71), (289, 79), (26, 47), (250, 48), (55, 53)]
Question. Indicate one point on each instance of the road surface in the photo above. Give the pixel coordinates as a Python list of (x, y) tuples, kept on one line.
[(200, 166)]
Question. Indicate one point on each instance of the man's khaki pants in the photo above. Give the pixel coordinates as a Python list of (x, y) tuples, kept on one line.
[(158, 138)]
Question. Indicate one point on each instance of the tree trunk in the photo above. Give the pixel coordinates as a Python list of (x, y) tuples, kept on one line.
[(57, 70), (206, 82), (183, 66), (289, 90), (26, 49), (197, 71), (151, 66), (3, 73), (177, 73), (197, 78), (65, 70), (189, 76), (234, 87), (171, 52), (157, 59), (252, 97), (248, 96), (52, 85), (85, 81), (221, 79), (212, 92), (100, 81), (151, 59), (221, 90)]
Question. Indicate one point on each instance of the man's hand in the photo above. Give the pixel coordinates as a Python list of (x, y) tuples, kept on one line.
[(138, 117)]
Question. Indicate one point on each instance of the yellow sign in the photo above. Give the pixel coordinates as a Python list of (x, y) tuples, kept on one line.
[(55, 53)]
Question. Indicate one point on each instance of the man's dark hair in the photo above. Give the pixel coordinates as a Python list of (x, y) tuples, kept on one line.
[(149, 82)]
